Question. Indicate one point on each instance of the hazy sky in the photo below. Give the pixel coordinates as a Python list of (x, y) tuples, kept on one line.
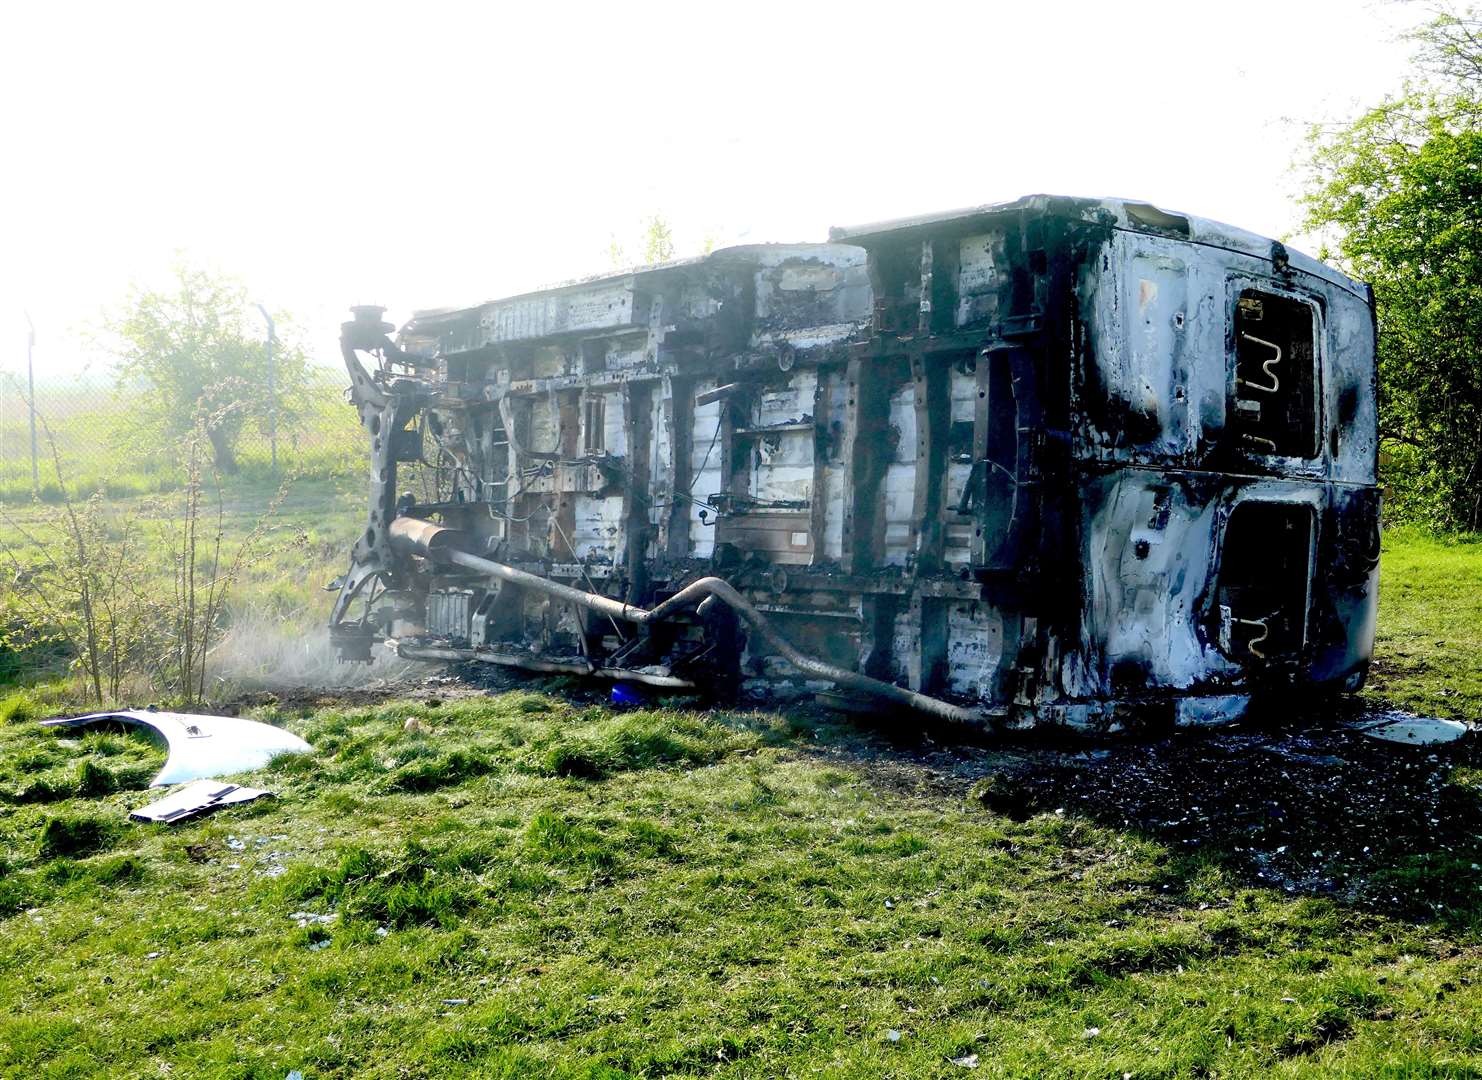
[(429, 154)]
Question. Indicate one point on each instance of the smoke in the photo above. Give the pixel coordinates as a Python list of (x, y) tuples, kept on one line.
[(263, 652)]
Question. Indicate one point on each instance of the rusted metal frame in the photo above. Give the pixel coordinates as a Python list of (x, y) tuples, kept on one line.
[(679, 416), (885, 346), (946, 260), (866, 454), (945, 586), (933, 416), (923, 317), (592, 381), (855, 521), (935, 640), (384, 411), (818, 494), (638, 430), (568, 440), (877, 637), (931, 379), (733, 473)]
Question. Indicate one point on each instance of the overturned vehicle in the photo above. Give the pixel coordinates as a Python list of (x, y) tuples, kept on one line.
[(1051, 462)]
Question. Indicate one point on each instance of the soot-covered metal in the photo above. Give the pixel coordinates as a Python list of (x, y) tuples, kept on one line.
[(1058, 461)]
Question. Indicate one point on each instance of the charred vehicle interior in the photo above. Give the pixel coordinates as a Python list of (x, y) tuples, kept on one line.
[(1077, 462)]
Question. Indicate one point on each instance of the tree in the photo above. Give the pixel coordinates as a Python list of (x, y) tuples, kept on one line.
[(656, 242), (1399, 192), (197, 353)]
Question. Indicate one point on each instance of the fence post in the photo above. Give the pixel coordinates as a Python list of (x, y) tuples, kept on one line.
[(31, 402), (272, 390)]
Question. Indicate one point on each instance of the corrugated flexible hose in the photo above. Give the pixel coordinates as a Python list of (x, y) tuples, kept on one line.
[(416, 537)]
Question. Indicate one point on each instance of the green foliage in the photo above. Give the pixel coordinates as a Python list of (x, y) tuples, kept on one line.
[(196, 353), (655, 242), (131, 592), (658, 240), (1400, 191)]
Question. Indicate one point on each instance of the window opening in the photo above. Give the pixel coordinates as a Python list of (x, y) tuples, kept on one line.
[(1276, 374), (1264, 581)]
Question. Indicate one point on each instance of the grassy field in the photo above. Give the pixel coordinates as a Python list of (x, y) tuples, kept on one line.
[(103, 440), (1429, 653), (277, 600), (523, 885)]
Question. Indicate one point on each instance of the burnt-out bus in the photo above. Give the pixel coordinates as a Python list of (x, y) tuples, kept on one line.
[(1059, 461)]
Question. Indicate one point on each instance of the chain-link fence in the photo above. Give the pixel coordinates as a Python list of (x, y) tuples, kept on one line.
[(102, 436)]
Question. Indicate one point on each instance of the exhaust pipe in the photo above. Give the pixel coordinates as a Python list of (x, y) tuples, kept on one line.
[(412, 536)]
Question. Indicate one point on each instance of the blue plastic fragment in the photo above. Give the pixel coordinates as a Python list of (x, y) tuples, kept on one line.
[(626, 694)]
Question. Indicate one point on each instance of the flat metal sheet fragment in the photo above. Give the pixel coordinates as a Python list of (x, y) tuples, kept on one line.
[(194, 799), (1400, 727), (201, 747)]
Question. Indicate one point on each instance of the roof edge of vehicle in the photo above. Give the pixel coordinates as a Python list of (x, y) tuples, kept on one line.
[(1130, 215)]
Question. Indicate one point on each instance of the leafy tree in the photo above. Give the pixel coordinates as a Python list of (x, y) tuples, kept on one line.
[(658, 240), (656, 243), (1399, 193), (197, 352)]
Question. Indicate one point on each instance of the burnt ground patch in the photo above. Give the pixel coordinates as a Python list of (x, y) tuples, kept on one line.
[(1311, 809), (1308, 806)]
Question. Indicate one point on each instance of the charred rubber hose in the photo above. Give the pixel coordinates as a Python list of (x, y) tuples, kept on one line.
[(416, 537)]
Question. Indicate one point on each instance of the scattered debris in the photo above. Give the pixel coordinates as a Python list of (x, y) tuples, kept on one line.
[(316, 946), (1091, 1033), (308, 918), (892, 1035), (967, 1061), (194, 799), (1316, 806), (200, 747)]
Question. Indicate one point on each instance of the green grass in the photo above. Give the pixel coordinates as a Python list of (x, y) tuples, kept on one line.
[(1429, 652), (280, 591), (96, 434), (724, 895), (519, 886)]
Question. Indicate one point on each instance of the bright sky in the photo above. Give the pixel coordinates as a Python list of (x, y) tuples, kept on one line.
[(421, 155)]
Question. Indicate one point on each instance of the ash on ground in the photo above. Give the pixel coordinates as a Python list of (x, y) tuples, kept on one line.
[(1311, 808)]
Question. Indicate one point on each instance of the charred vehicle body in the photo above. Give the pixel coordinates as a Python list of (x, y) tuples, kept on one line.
[(1057, 461)]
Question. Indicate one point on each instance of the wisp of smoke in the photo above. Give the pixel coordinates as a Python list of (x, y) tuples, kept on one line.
[(261, 652)]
